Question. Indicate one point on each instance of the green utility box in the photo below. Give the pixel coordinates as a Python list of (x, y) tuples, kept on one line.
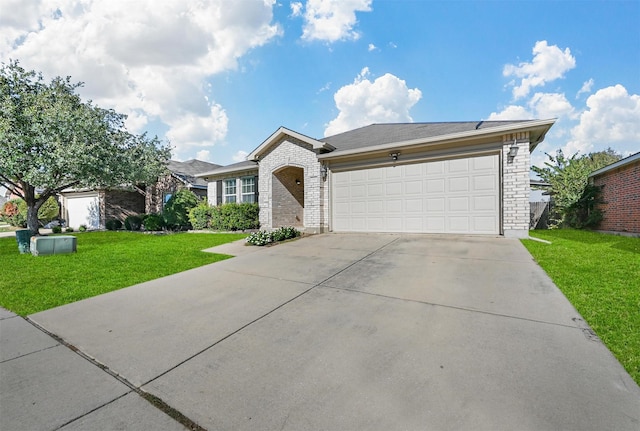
[(22, 238), (41, 245)]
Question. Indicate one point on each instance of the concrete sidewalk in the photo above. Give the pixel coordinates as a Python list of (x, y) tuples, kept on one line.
[(327, 332)]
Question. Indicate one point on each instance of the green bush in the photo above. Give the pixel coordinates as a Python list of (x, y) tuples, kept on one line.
[(56, 229), (235, 216), (200, 216), (113, 224), (133, 222), (69, 229), (281, 234), (176, 211), (83, 228), (153, 222)]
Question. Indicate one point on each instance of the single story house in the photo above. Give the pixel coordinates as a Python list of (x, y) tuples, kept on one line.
[(94, 207), (620, 182), (451, 177)]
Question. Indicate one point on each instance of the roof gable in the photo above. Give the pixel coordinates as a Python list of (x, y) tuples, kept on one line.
[(281, 133), (188, 171)]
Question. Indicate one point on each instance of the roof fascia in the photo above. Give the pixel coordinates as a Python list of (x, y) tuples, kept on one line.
[(632, 158), (542, 125), (282, 132), (223, 171)]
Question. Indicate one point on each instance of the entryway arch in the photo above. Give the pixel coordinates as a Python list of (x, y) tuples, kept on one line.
[(287, 186)]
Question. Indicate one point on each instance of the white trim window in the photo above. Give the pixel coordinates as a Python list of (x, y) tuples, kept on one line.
[(248, 189), (230, 195)]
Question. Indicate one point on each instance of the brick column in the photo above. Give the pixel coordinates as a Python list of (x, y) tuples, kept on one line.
[(515, 186)]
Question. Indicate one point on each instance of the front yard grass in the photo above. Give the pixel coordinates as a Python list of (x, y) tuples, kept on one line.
[(600, 275), (105, 261)]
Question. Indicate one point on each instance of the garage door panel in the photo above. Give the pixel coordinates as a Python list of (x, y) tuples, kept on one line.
[(446, 196)]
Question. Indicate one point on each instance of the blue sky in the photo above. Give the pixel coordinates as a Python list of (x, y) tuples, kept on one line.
[(217, 78)]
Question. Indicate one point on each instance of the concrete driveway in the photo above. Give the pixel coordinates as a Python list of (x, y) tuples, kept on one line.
[(354, 332)]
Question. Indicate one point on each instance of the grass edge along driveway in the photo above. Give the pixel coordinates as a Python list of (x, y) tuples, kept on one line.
[(600, 275), (105, 261)]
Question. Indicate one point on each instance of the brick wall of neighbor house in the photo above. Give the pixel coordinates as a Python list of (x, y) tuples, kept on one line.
[(621, 198), (515, 186), (292, 152), (166, 184), (119, 204)]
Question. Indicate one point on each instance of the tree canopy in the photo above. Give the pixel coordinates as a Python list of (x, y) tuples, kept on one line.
[(568, 177), (51, 140)]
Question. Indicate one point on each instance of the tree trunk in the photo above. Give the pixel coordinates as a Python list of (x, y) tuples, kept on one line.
[(33, 205)]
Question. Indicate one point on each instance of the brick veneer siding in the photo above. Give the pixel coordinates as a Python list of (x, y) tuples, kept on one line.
[(119, 204), (287, 198), (292, 152), (515, 186), (621, 198)]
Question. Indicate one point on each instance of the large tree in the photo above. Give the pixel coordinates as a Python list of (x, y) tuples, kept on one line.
[(568, 177), (51, 140)]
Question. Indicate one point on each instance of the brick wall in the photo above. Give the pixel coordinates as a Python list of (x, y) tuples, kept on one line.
[(167, 184), (515, 186), (287, 198), (119, 204), (621, 196), (292, 152)]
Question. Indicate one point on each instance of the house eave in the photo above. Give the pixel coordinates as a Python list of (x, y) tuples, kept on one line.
[(539, 127), (632, 158)]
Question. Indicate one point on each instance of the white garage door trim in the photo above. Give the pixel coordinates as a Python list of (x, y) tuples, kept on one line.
[(447, 196), (83, 210)]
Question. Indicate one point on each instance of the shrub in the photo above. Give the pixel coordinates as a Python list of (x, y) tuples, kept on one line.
[(83, 228), (264, 237), (176, 211), (113, 224), (153, 222), (48, 211), (235, 216), (69, 229), (56, 229), (14, 212), (133, 222), (200, 216)]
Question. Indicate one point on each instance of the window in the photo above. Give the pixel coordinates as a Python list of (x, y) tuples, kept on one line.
[(230, 191), (165, 198), (248, 189)]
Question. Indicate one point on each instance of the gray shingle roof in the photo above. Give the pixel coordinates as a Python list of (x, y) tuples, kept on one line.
[(187, 171), (380, 134)]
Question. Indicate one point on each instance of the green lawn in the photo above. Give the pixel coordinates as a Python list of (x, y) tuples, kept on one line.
[(600, 275), (105, 261)]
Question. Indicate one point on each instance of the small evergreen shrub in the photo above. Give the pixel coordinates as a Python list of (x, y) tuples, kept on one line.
[(200, 216), (264, 237), (235, 216), (153, 222), (83, 228), (113, 224), (176, 211), (133, 222), (56, 229), (69, 229)]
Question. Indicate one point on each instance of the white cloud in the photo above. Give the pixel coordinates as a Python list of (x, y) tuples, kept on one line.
[(371, 47), (540, 106), (146, 58), (332, 20), (612, 118), (549, 63), (240, 156), (586, 87), (296, 8), (204, 155), (386, 99)]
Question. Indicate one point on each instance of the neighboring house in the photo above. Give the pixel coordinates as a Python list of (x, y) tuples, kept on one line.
[(620, 182), (93, 208), (182, 175), (455, 177)]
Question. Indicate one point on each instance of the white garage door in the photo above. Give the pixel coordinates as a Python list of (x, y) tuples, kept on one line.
[(83, 210), (448, 196)]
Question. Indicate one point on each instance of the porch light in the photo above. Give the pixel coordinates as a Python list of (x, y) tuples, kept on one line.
[(394, 156), (298, 182), (323, 172), (513, 151)]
